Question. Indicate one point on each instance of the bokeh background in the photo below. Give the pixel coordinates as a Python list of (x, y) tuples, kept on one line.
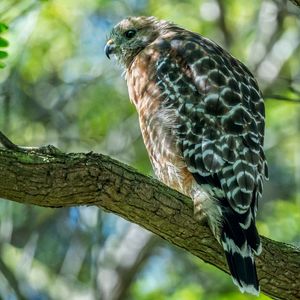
[(59, 88)]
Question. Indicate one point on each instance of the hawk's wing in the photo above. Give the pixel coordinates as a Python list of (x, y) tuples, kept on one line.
[(220, 113), (220, 131)]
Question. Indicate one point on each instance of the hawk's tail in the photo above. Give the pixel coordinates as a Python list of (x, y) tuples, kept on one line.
[(240, 241)]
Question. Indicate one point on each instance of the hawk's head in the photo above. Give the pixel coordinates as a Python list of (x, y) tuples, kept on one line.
[(132, 35)]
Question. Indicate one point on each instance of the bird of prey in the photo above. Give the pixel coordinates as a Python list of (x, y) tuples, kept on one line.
[(201, 115)]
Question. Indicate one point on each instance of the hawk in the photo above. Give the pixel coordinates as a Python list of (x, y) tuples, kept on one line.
[(201, 115)]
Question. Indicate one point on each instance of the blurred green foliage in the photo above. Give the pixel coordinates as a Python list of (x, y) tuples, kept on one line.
[(58, 88), (3, 44)]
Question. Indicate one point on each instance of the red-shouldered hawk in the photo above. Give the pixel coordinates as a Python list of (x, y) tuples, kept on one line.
[(201, 115)]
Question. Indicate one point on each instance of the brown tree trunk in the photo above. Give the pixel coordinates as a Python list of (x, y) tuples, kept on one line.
[(51, 178)]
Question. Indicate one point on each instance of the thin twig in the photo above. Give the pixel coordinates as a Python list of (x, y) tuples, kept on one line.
[(296, 2), (7, 143), (223, 24), (282, 98), (47, 150), (11, 279)]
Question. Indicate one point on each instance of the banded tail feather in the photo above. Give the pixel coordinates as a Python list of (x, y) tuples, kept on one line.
[(237, 234), (240, 241)]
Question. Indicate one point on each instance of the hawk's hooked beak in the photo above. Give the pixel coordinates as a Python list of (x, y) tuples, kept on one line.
[(109, 48)]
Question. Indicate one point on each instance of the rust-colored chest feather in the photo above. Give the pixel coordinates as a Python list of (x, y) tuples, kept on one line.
[(157, 122)]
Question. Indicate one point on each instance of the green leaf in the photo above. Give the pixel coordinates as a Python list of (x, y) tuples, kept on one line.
[(3, 54), (3, 27), (3, 42)]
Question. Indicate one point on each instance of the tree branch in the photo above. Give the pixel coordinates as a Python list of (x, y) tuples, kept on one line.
[(296, 2), (11, 279), (54, 179)]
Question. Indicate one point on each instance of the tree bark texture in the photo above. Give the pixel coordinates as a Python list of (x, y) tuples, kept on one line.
[(54, 179)]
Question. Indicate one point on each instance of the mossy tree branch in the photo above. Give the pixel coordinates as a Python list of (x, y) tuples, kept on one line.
[(47, 177)]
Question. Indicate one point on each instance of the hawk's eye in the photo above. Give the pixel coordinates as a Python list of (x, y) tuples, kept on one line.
[(130, 33)]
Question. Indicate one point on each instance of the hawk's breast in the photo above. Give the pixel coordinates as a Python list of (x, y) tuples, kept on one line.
[(157, 124)]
